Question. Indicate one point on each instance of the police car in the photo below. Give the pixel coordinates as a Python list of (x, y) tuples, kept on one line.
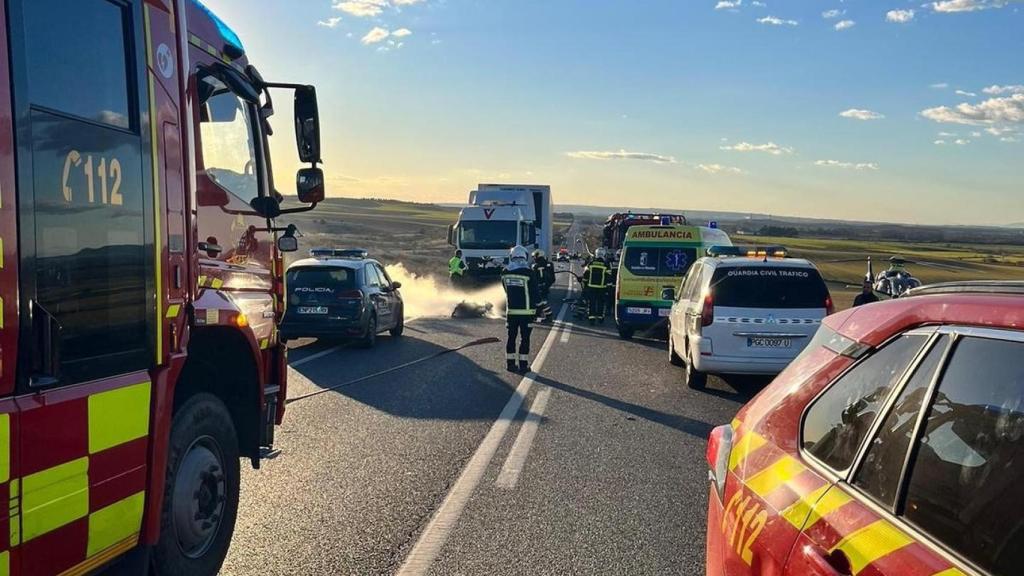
[(341, 294), (746, 315), (892, 446)]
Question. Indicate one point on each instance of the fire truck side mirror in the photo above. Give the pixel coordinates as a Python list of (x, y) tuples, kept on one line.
[(307, 124), (310, 185), (287, 243)]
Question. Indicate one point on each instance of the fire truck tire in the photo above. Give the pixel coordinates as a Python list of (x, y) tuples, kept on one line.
[(201, 490)]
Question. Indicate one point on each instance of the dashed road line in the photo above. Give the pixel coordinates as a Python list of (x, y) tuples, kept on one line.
[(434, 536), (516, 459)]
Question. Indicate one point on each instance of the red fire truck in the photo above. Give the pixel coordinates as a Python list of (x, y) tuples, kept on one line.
[(140, 282)]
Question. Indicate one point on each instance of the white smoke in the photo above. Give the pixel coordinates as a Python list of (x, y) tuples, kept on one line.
[(429, 296)]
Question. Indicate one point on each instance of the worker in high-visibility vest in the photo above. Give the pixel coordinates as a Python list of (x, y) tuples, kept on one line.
[(456, 268), (595, 279), (523, 295)]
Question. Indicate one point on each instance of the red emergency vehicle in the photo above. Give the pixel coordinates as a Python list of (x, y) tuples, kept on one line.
[(893, 446), (140, 282)]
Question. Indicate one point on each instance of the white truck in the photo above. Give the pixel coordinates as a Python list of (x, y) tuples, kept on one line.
[(498, 217)]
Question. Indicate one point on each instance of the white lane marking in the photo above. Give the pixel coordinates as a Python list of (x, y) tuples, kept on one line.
[(567, 326), (317, 356), (516, 459), (434, 536)]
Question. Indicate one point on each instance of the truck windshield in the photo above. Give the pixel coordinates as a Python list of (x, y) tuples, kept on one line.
[(484, 235)]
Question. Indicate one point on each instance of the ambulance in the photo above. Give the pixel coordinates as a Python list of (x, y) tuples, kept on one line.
[(653, 262)]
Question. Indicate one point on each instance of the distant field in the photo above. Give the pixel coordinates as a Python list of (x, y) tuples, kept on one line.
[(974, 261)]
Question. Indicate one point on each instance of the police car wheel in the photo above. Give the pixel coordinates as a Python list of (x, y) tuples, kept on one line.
[(673, 358), (370, 339), (399, 325), (694, 378), (200, 490)]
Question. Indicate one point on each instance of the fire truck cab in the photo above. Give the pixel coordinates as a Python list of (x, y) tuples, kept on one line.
[(141, 282)]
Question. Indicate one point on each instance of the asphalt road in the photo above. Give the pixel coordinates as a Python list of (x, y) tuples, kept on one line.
[(593, 465)]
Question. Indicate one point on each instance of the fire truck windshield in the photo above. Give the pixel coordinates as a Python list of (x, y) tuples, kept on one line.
[(228, 139)]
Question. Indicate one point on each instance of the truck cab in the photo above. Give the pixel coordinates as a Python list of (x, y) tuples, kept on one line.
[(140, 281)]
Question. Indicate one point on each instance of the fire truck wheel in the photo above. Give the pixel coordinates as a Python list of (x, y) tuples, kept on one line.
[(201, 490)]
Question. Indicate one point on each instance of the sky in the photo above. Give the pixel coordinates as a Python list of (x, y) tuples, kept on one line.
[(859, 109)]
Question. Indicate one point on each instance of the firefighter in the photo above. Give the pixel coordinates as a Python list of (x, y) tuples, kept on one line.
[(595, 278), (456, 268), (522, 291), (546, 278)]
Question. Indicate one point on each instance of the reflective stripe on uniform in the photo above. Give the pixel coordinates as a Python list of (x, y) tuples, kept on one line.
[(118, 416), (868, 544)]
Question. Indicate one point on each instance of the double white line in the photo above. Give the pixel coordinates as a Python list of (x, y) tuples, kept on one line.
[(435, 535)]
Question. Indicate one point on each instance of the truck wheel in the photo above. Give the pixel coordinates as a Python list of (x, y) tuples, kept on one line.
[(694, 378), (626, 332), (200, 491), (370, 339), (399, 325), (673, 358)]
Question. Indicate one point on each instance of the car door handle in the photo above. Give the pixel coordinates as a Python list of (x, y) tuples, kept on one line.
[(827, 564)]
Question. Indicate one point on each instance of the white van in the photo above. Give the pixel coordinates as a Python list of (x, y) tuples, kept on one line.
[(745, 315)]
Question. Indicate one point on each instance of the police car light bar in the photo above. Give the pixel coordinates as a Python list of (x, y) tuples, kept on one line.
[(353, 253)]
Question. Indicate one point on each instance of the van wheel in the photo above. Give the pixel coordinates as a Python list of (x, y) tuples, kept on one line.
[(626, 332), (399, 325), (673, 358), (200, 491), (370, 339), (694, 378)]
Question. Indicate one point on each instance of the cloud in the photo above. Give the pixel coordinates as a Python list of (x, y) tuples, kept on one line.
[(939, 142), (401, 33), (830, 14), (965, 93), (996, 89), (621, 155), (406, 2), (330, 22), (858, 114), (728, 4), (961, 142), (844, 25), (774, 21), (950, 6), (769, 148), (362, 8), (1005, 110), (850, 165), (758, 4), (899, 16), (719, 169), (375, 35)]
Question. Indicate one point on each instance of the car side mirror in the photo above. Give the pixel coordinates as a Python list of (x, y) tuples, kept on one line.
[(396, 285), (307, 124), (310, 185), (668, 294)]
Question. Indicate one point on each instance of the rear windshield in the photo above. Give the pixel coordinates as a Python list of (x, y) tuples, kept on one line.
[(760, 287), (645, 261), (322, 277)]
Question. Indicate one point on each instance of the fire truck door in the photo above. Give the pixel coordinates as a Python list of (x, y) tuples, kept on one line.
[(87, 264)]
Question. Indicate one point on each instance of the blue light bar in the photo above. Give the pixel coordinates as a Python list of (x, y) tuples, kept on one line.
[(225, 31)]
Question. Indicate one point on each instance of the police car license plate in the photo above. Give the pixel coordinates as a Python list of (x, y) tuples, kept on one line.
[(312, 309), (765, 342), (638, 310)]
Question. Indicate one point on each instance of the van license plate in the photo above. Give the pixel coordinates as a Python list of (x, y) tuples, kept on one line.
[(763, 342), (638, 310), (312, 309)]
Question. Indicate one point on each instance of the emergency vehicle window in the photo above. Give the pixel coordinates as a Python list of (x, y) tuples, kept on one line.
[(372, 278), (968, 469), (321, 277), (77, 59), (839, 419), (384, 280), (228, 140), (763, 287), (879, 474)]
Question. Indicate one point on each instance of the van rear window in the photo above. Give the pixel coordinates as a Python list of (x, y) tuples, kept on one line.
[(322, 277), (762, 287), (645, 261)]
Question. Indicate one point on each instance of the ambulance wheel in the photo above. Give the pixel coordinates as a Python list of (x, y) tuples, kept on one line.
[(694, 378), (626, 332), (673, 358), (200, 490)]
